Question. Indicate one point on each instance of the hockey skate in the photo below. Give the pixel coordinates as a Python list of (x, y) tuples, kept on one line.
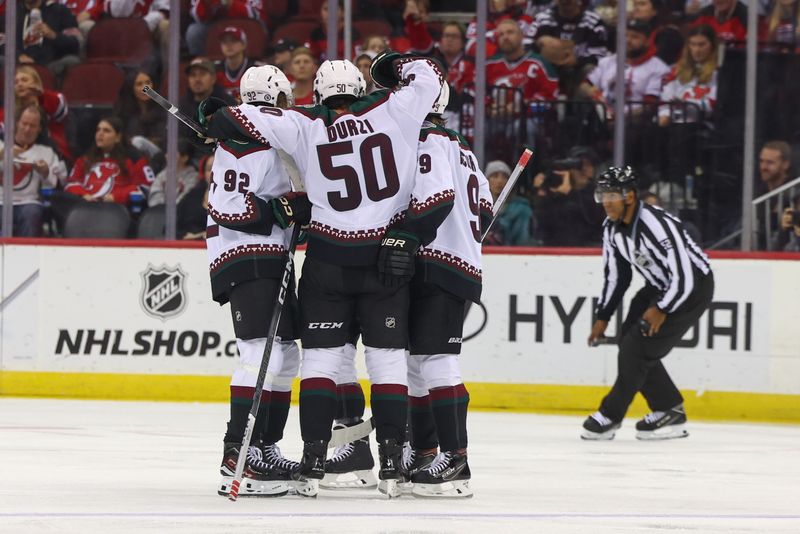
[(447, 476), (413, 462), (311, 469), (598, 427), (391, 454), (350, 466), (259, 478), (663, 425)]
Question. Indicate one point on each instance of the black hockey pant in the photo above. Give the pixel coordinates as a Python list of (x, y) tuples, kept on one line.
[(639, 366)]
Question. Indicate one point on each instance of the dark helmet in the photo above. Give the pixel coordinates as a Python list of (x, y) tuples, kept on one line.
[(615, 180)]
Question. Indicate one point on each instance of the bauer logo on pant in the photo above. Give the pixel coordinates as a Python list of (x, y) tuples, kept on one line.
[(163, 291)]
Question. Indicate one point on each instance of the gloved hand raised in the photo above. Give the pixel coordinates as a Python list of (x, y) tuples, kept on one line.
[(291, 208), (397, 257)]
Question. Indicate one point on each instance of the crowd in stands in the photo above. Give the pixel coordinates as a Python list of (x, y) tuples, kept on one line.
[(540, 53)]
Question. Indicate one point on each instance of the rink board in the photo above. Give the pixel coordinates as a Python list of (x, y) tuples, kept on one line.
[(123, 322)]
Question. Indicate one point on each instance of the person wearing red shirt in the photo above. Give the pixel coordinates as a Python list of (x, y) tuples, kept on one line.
[(110, 171), (28, 89), (516, 68), (303, 68), (233, 43), (728, 18), (500, 10), (319, 36)]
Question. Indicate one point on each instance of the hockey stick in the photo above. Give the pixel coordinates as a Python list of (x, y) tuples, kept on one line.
[(262, 372), (512, 180), (343, 436), (173, 110)]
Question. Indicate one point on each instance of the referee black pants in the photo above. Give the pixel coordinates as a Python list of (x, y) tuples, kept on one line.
[(639, 366)]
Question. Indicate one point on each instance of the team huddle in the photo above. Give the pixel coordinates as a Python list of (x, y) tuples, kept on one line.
[(393, 210)]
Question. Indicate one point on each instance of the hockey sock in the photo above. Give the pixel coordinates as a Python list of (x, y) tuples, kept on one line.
[(277, 402), (241, 402), (349, 403), (423, 426), (317, 408), (390, 411), (449, 406)]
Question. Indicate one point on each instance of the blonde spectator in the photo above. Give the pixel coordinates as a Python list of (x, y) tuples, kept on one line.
[(783, 24), (303, 69)]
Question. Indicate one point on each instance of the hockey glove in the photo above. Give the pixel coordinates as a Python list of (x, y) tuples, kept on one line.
[(384, 69), (291, 208), (396, 258), (208, 107)]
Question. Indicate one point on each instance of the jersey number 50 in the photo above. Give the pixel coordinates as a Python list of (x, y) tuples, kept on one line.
[(352, 197)]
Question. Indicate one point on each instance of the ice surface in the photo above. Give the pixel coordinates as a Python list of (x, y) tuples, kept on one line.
[(97, 466)]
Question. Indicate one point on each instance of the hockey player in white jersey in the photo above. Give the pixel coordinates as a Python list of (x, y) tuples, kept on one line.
[(448, 274), (247, 243), (357, 155)]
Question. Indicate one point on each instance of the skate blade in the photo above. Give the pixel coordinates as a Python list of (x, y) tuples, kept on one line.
[(599, 436), (255, 488), (306, 488), (457, 489), (390, 488), (364, 479), (667, 432), (406, 488)]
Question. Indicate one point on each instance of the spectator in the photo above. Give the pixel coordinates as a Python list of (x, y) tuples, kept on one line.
[(155, 13), (28, 89), (282, 55), (319, 35), (47, 34), (789, 234), (36, 166), (782, 26), (644, 72), (568, 20), (499, 10), (693, 80), (111, 170), (145, 121), (186, 180), (773, 166), (374, 44), (514, 68), (83, 11), (192, 210), (664, 37), (449, 51), (513, 225), (728, 18), (202, 76), (568, 215), (304, 68), (363, 63), (233, 44), (204, 12)]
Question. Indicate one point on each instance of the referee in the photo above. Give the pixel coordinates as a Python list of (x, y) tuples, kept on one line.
[(678, 288)]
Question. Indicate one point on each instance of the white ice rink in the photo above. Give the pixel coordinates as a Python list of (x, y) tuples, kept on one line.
[(91, 466)]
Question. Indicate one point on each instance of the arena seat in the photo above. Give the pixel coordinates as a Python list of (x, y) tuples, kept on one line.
[(365, 28), (298, 31), (98, 220), (151, 223), (119, 40), (88, 84), (256, 37)]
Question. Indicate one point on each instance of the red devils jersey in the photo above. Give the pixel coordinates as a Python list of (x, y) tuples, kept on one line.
[(229, 80), (207, 10), (106, 176), (732, 27), (531, 73), (54, 105), (79, 6)]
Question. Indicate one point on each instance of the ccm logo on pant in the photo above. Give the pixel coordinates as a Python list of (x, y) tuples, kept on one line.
[(324, 326)]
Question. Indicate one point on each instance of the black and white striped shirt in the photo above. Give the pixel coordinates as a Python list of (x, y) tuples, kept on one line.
[(656, 243)]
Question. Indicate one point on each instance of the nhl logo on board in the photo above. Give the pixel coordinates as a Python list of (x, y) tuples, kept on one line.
[(163, 291)]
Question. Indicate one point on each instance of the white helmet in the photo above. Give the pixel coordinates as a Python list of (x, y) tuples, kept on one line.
[(338, 78), (442, 100), (263, 85)]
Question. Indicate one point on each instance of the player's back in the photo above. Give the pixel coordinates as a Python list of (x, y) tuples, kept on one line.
[(453, 258), (238, 244)]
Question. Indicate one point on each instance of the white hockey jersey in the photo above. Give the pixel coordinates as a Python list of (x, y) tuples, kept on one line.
[(27, 180), (241, 240), (358, 166), (453, 259)]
